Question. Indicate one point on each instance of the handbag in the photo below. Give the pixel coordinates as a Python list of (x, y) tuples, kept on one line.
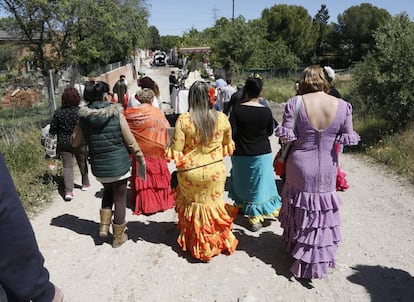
[(49, 142), (279, 163)]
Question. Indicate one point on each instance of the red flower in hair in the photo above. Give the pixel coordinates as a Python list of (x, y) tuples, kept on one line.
[(212, 95)]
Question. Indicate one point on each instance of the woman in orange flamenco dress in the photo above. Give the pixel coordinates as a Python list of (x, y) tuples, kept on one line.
[(149, 127), (202, 137)]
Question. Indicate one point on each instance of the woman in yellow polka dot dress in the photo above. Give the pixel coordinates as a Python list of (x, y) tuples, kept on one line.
[(202, 137)]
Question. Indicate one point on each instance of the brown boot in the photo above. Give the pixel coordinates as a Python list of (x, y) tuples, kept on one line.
[(119, 236), (106, 216)]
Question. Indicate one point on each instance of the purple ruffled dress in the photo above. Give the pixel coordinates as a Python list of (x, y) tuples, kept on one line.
[(310, 205)]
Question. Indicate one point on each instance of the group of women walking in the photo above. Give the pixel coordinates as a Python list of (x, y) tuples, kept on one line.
[(307, 206)]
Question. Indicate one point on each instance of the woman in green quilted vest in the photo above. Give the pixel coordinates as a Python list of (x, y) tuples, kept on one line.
[(109, 139)]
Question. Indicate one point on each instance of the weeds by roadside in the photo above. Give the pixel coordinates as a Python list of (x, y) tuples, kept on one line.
[(31, 174)]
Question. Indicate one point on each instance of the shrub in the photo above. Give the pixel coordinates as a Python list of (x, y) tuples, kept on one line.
[(385, 78), (24, 156)]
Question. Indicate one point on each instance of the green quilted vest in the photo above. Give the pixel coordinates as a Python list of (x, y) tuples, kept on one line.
[(102, 131)]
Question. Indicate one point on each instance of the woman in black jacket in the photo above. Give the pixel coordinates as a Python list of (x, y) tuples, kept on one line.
[(63, 123)]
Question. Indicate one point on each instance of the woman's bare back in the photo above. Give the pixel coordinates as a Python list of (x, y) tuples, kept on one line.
[(321, 109)]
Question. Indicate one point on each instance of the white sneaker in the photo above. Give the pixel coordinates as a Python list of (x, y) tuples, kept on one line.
[(69, 196), (85, 188)]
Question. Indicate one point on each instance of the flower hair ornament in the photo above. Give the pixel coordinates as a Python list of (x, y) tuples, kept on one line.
[(329, 73), (255, 75)]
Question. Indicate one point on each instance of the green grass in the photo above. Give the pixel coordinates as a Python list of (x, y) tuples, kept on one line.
[(15, 117), (396, 151), (279, 90), (24, 156)]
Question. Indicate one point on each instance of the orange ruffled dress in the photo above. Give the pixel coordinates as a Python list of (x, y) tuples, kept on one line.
[(204, 220), (149, 127)]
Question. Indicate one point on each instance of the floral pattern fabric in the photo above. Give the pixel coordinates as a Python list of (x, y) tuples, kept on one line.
[(205, 221)]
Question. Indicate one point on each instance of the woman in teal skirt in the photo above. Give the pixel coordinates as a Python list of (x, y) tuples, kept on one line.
[(252, 181)]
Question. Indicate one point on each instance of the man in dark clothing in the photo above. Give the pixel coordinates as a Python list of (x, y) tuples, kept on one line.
[(23, 276), (235, 99), (122, 78), (173, 81)]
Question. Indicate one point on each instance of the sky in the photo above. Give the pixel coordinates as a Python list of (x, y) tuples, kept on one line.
[(175, 17)]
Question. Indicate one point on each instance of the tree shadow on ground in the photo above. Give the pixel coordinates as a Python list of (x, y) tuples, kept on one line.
[(384, 283), (80, 226)]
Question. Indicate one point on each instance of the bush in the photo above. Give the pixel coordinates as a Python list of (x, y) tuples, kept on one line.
[(397, 152), (24, 156), (385, 78)]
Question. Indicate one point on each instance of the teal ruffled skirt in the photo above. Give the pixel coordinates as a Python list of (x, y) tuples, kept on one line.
[(252, 185)]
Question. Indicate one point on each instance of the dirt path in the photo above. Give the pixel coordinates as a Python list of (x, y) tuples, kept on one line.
[(375, 261)]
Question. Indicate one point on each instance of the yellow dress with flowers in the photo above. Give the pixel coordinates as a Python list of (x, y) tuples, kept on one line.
[(204, 220)]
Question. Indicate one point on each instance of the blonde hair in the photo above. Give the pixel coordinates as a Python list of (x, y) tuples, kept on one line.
[(312, 80), (203, 117), (146, 95)]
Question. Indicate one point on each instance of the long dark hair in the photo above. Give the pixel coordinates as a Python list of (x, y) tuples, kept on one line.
[(95, 91)]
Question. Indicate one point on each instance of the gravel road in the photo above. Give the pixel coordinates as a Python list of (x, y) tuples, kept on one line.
[(375, 261)]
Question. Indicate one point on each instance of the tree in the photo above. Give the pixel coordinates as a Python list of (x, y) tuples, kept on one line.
[(75, 32), (233, 44), (193, 37), (8, 58), (266, 54), (79, 32), (385, 77), (7, 24), (168, 42), (154, 37), (356, 27), (292, 24), (108, 31), (321, 21)]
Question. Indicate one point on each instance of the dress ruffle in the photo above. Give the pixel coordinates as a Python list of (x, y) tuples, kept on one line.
[(317, 270), (311, 224), (284, 132), (261, 209), (205, 230), (154, 193), (314, 201), (349, 138)]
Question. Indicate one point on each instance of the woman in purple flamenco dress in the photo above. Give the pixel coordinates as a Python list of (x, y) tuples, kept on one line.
[(310, 204)]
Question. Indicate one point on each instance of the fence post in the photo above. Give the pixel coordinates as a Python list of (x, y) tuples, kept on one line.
[(51, 91)]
